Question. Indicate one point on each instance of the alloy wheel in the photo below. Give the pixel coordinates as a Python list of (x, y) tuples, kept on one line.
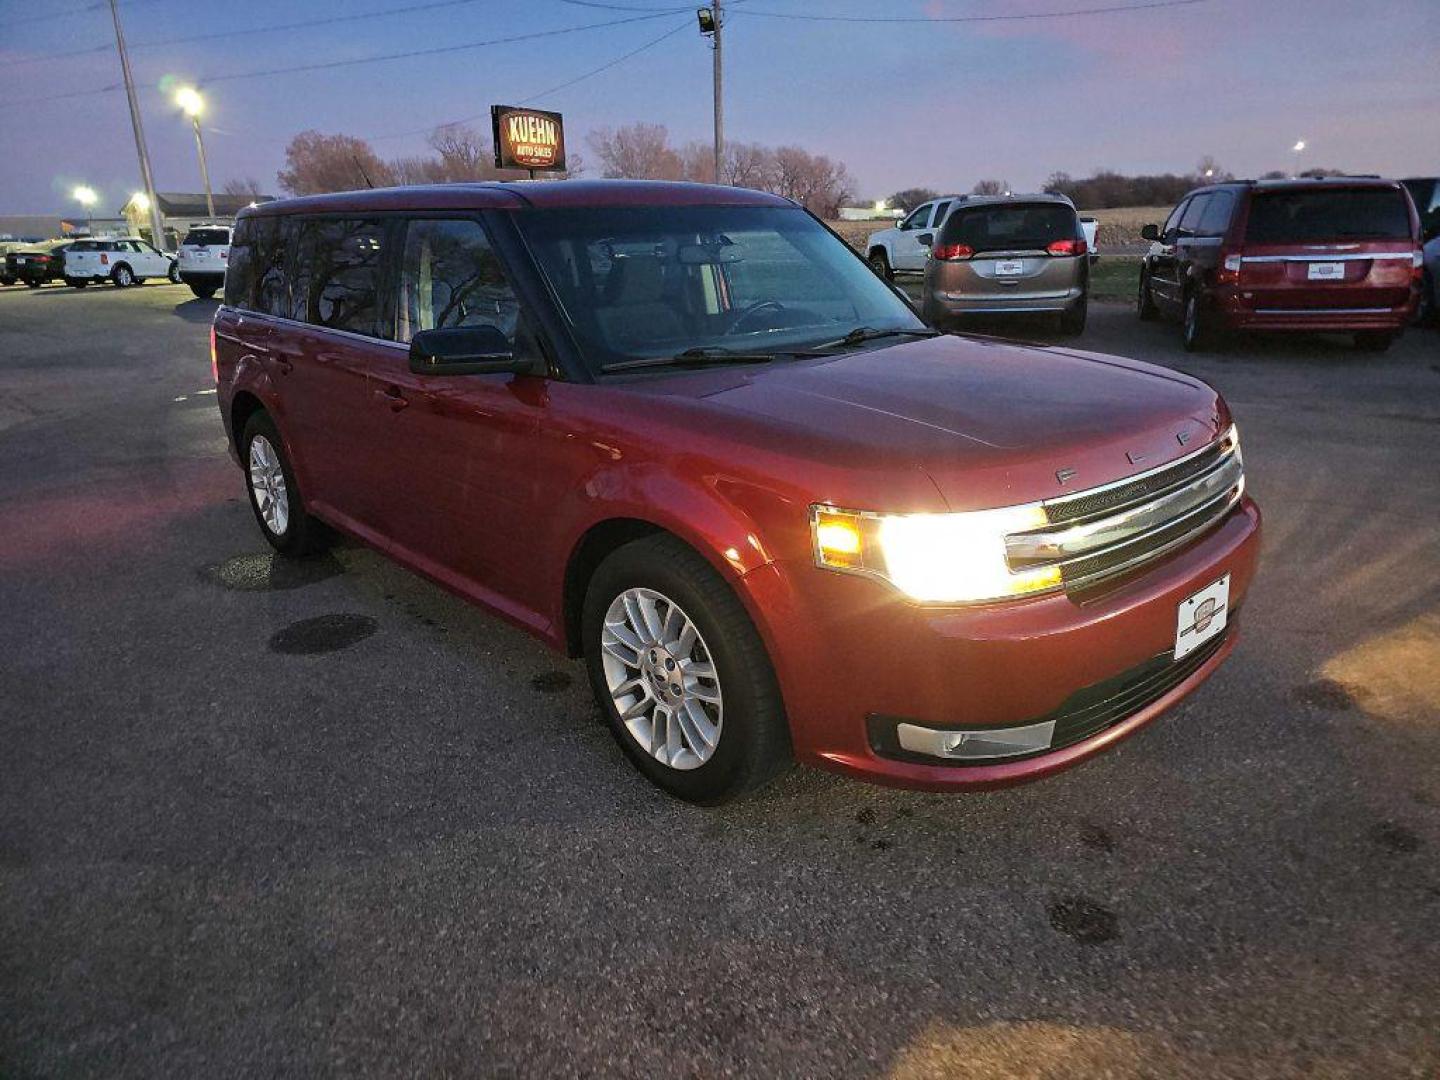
[(662, 678), (267, 484)]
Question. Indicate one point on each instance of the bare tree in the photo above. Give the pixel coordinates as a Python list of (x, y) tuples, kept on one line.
[(747, 165), (909, 198), (464, 154), (813, 180), (636, 151), (991, 187), (317, 163), (246, 185)]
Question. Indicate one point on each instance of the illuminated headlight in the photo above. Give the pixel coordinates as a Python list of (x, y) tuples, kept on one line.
[(933, 558)]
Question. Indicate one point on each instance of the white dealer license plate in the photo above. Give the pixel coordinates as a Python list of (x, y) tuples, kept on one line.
[(1009, 268), (1326, 271), (1202, 616)]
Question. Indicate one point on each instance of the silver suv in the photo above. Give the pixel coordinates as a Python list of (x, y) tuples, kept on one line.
[(1008, 255)]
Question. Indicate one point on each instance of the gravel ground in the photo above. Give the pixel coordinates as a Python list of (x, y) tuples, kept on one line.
[(260, 820)]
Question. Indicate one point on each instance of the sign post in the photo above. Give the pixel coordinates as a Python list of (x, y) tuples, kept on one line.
[(529, 139)]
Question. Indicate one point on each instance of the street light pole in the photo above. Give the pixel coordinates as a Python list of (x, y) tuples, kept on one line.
[(192, 105), (156, 229)]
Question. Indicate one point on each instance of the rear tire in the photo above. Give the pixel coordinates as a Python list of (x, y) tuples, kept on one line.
[(76, 283), (1197, 332), (122, 277), (174, 274), (1374, 341), (1429, 313), (204, 292), (1072, 320), (880, 263), (33, 284), (751, 736), (274, 495), (1144, 302)]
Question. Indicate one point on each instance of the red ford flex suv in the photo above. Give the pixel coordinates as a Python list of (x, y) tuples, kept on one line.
[(685, 432), (1339, 254)]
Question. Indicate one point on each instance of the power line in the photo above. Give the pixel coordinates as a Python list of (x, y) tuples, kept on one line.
[(332, 64), (1013, 17)]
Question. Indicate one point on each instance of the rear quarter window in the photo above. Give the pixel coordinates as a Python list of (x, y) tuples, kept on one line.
[(1013, 226), (240, 270), (1318, 215)]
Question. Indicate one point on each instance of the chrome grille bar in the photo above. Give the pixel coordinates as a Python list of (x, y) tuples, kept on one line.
[(1105, 531)]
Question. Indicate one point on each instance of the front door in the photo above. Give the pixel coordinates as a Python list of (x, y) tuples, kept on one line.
[(910, 254), (461, 449)]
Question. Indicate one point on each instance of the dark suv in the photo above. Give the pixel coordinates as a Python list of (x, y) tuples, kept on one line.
[(1339, 254)]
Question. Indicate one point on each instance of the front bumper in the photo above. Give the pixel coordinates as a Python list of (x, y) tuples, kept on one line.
[(854, 659)]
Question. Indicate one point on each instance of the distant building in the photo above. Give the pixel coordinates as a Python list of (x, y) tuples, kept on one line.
[(54, 226), (182, 211), (872, 212)]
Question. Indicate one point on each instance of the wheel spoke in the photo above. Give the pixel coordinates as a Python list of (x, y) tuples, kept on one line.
[(636, 618), (627, 654), (699, 731), (685, 640), (694, 669)]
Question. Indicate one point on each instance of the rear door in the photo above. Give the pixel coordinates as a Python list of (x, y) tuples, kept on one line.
[(337, 290), (1331, 247), (83, 260)]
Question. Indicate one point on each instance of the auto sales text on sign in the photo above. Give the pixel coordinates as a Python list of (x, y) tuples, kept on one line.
[(527, 138)]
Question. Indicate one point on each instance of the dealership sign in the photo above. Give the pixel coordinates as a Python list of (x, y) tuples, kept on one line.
[(527, 138)]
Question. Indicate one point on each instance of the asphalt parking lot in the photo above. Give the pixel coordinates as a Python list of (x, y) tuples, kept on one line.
[(265, 820)]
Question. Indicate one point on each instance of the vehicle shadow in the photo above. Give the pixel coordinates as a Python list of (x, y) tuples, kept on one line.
[(197, 310)]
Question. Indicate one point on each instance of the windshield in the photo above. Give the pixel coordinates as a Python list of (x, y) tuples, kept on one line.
[(638, 282), (1011, 226), (1315, 215)]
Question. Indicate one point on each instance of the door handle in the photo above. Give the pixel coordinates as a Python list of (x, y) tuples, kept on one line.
[(283, 362), (392, 397)]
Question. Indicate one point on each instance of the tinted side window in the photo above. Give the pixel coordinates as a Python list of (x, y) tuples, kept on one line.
[(240, 271), (919, 218), (941, 209), (272, 289), (1172, 223), (1190, 223), (450, 276), (337, 280), (1216, 218)]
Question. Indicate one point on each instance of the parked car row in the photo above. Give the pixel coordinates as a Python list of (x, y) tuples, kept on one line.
[(123, 261), (1357, 255)]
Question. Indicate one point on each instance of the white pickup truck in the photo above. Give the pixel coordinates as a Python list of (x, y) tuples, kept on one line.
[(127, 261)]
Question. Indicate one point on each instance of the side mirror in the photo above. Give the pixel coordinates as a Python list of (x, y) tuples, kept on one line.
[(464, 350), (1150, 232), (925, 239)]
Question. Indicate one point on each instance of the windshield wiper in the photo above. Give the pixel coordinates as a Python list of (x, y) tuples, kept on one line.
[(862, 334), (696, 357)]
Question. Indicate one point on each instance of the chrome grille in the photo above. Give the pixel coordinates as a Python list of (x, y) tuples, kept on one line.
[(1106, 531)]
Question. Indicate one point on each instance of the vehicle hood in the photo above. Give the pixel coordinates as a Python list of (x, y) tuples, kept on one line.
[(991, 422)]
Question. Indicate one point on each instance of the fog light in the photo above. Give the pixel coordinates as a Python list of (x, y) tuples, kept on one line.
[(976, 744)]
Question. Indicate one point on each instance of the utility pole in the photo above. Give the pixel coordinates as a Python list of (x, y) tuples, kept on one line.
[(719, 91), (157, 233), (711, 19)]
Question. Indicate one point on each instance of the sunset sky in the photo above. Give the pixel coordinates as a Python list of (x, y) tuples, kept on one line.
[(921, 103)]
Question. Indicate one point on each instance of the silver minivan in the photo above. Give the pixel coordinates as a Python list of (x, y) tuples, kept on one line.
[(1008, 255)]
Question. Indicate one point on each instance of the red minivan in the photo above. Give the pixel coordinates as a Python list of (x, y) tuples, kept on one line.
[(1339, 254), (686, 432)]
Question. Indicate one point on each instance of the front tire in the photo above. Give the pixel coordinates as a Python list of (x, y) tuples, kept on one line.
[(1144, 302), (274, 495), (681, 674), (880, 262), (29, 284)]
